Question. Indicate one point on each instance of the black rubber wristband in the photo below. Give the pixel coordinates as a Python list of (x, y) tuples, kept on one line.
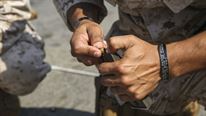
[(85, 18), (164, 65), (75, 24)]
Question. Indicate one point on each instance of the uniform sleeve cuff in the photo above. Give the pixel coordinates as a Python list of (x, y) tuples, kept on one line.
[(178, 5), (64, 7)]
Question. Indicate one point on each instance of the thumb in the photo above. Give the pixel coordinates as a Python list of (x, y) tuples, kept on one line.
[(120, 42), (95, 34)]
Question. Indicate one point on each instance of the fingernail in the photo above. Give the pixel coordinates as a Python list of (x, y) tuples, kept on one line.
[(98, 45), (105, 44), (96, 54)]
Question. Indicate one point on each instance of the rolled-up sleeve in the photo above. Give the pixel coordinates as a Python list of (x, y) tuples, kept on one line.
[(64, 6), (178, 5)]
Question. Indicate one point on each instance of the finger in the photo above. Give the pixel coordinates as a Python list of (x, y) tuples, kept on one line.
[(121, 67), (132, 89), (80, 46), (140, 81), (88, 61), (120, 42), (95, 34), (144, 90), (111, 81), (108, 67)]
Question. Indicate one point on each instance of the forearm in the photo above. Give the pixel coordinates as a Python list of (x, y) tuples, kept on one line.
[(188, 55), (82, 10), (66, 8)]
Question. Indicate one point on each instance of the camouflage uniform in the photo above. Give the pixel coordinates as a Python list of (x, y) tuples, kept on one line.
[(158, 21), (21, 53)]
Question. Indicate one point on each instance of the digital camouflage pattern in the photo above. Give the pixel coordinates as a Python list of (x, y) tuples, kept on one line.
[(21, 49)]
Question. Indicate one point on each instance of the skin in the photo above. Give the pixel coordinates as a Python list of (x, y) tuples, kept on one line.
[(86, 43), (138, 72), (87, 39)]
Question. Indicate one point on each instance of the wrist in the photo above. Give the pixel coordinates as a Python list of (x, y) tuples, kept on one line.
[(80, 11), (81, 21), (174, 69), (74, 19), (187, 56), (181, 58)]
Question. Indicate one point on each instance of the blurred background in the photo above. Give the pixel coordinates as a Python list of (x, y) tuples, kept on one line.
[(61, 93)]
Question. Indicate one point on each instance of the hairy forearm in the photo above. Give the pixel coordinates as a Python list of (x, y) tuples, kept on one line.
[(188, 55)]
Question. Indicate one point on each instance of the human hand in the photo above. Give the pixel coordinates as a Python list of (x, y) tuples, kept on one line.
[(138, 72), (86, 42)]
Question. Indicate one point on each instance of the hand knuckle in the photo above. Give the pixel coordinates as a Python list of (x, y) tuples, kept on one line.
[(94, 26), (97, 27), (138, 97), (131, 36), (120, 68), (77, 49), (125, 80), (112, 41), (130, 90), (97, 37)]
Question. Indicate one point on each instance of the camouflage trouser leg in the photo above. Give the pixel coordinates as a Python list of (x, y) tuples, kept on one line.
[(9, 104)]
